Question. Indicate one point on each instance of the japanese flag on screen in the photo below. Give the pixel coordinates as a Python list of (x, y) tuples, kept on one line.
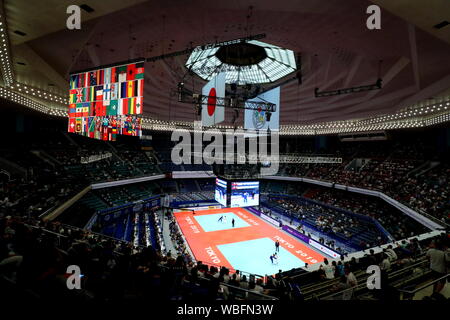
[(211, 113)]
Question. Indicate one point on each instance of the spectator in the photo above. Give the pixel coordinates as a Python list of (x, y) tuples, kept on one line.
[(328, 269), (439, 259)]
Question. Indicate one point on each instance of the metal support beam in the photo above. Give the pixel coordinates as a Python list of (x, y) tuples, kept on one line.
[(206, 46)]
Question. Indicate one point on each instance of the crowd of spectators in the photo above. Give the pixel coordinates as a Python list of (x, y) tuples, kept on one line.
[(177, 239), (34, 257), (426, 192), (399, 225), (329, 220)]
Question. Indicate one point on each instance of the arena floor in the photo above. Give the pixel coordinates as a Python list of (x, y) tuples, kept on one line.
[(247, 246)]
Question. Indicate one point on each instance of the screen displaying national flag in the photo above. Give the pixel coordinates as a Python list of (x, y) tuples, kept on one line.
[(102, 101)]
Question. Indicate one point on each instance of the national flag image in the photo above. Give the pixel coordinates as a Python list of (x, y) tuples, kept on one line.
[(111, 107), (72, 110), (98, 128), (131, 89), (105, 128), (114, 91), (98, 93), (140, 88), (79, 110), (122, 73), (107, 92), (123, 89), (91, 109), (126, 106), (86, 106), (113, 75), (80, 95), (86, 80), (71, 125), (211, 113), (85, 125), (78, 125), (107, 76), (99, 76), (92, 94), (99, 100), (93, 78), (81, 80), (132, 106), (91, 127), (139, 105), (131, 71), (139, 71), (73, 83), (72, 96)]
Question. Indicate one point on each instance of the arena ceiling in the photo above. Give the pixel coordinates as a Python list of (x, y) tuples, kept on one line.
[(337, 50)]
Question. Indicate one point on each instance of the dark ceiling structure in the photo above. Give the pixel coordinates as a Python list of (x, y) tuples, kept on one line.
[(337, 49)]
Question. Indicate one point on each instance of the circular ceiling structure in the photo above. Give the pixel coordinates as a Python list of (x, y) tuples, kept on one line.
[(248, 62)]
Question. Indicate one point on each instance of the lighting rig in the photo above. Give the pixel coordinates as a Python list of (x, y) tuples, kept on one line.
[(234, 102), (206, 46), (375, 86)]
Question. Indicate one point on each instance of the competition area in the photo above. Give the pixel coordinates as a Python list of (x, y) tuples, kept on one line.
[(246, 245)]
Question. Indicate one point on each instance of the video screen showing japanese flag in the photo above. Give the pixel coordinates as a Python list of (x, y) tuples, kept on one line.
[(244, 194), (211, 113), (257, 119), (221, 192)]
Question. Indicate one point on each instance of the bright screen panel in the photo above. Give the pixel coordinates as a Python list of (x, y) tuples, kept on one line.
[(244, 194), (221, 192), (257, 119)]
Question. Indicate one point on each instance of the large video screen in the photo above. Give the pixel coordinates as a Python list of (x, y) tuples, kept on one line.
[(107, 101), (244, 194), (221, 192)]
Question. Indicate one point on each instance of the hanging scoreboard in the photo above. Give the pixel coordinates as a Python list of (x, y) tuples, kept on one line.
[(107, 101)]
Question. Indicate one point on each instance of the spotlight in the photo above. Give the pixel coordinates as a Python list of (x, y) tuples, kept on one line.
[(268, 115)]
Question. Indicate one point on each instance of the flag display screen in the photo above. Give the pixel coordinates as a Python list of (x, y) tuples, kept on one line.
[(244, 194), (221, 192), (258, 119), (107, 101)]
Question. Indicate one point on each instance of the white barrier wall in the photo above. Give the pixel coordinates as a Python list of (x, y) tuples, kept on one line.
[(192, 174), (126, 181)]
